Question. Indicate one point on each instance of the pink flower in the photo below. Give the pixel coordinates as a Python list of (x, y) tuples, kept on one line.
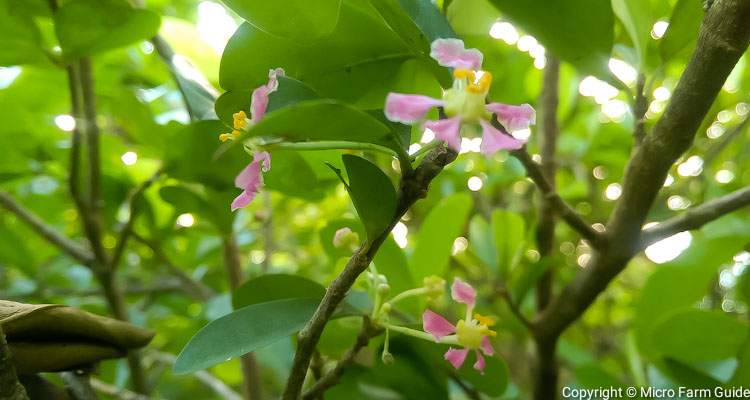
[(472, 332), (463, 104), (250, 179)]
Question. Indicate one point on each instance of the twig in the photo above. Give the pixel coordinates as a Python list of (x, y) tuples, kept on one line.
[(65, 244), (205, 377), (133, 210), (639, 110), (696, 217), (570, 216), (412, 188), (333, 376), (514, 308), (196, 289), (113, 391), (250, 370)]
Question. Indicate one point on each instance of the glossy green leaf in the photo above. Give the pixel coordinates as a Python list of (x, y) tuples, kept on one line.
[(86, 27), (680, 283), (372, 193), (509, 232), (293, 175), (349, 64), (439, 230), (481, 239), (694, 335), (578, 31), (272, 287), (742, 373), (190, 156), (301, 21), (243, 331), (20, 39), (687, 375), (317, 120), (683, 28), (635, 16)]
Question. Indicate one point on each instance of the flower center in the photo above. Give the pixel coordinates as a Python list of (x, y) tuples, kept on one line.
[(471, 333), (467, 96), (239, 122)]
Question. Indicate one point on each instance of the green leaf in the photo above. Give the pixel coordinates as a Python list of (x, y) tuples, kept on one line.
[(635, 16), (509, 232), (349, 64), (20, 39), (243, 331), (481, 240), (428, 18), (493, 382), (289, 92), (302, 21), (317, 120), (687, 375), (190, 156), (292, 175), (212, 206), (578, 31), (275, 287), (439, 230), (680, 283), (683, 28), (391, 262), (372, 194), (742, 373), (86, 27), (694, 335)]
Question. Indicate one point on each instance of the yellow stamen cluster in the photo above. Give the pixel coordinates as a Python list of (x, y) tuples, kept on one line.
[(481, 86), (239, 122), (467, 74), (488, 321), (471, 333)]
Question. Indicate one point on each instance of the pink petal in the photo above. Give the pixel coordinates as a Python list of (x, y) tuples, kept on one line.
[(452, 53), (494, 140), (513, 118), (436, 325), (462, 292), (264, 158), (408, 108), (243, 199), (447, 130), (259, 100), (487, 347), (456, 357), (479, 365), (249, 176)]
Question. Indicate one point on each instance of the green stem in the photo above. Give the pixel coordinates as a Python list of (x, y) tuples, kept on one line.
[(329, 145), (409, 293), (452, 339), (425, 149)]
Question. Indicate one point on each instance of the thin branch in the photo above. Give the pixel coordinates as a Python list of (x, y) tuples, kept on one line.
[(65, 244), (250, 369), (723, 38), (696, 217), (332, 377), (205, 377), (565, 211), (412, 188), (514, 308), (113, 391), (133, 211), (195, 288), (545, 230), (639, 109)]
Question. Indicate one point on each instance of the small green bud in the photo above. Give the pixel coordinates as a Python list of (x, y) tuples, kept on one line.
[(387, 358)]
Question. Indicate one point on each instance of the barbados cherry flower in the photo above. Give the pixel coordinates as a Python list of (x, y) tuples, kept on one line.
[(464, 104), (471, 333), (250, 179)]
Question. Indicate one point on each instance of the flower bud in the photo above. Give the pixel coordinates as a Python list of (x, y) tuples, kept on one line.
[(387, 358), (346, 238), (435, 286), (386, 308), (383, 289)]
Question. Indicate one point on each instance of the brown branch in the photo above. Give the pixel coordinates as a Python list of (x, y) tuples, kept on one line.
[(565, 211), (639, 109), (65, 244), (115, 392), (411, 188), (189, 285), (696, 217), (10, 387), (332, 377), (722, 40), (502, 291), (133, 211), (250, 370)]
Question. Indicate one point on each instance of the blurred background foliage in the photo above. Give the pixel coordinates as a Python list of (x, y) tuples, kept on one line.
[(676, 316)]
